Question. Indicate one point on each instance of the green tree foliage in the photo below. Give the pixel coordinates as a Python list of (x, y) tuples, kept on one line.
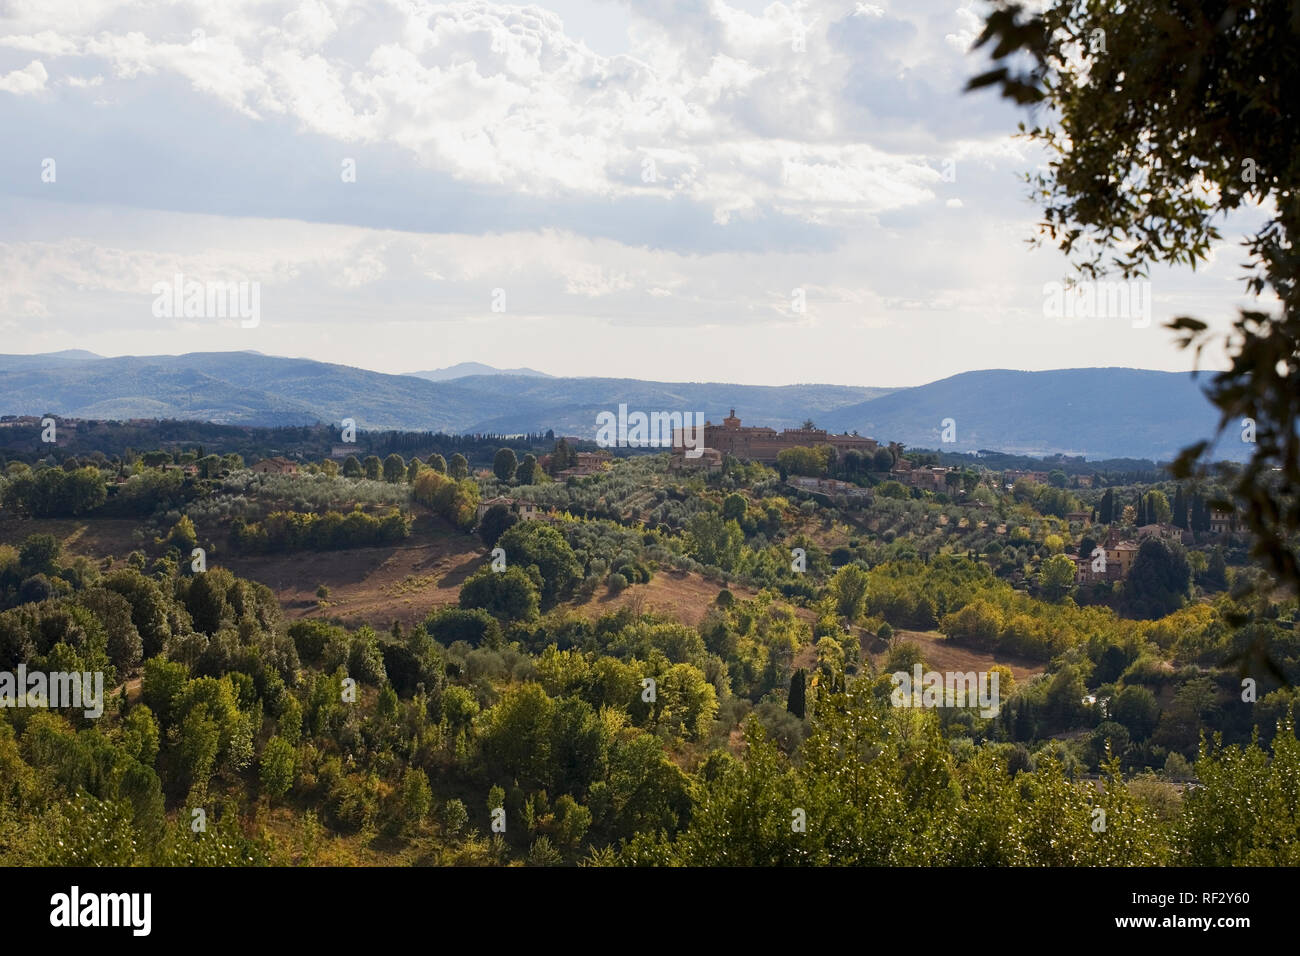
[(458, 467), (54, 493), (1247, 811), (527, 471), (183, 535), (505, 464), (496, 521), (1106, 510), (1057, 576), (1153, 140), (510, 595), (415, 799), (276, 769), (456, 501), (333, 530), (797, 700), (1160, 579), (394, 468), (812, 462), (1179, 516), (562, 457), (537, 544), (715, 541), (849, 591), (474, 627)]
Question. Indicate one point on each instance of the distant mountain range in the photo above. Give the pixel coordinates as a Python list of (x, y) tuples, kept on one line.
[(1097, 412), (463, 369)]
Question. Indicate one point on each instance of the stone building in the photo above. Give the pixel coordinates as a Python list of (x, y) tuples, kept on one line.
[(759, 443)]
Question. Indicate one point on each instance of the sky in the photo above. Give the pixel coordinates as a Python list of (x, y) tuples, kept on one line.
[(678, 190)]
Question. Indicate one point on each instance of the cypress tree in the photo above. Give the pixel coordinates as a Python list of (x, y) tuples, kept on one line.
[(1107, 507), (1024, 723), (1200, 514), (797, 703), (1180, 508)]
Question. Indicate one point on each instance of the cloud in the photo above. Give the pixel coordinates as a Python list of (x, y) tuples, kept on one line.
[(30, 79), (745, 114)]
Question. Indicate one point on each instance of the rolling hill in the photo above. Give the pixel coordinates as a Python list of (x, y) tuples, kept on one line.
[(1097, 412), (1100, 412), (462, 369)]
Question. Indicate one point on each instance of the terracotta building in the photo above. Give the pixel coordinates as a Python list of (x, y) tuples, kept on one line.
[(758, 443), (275, 466)]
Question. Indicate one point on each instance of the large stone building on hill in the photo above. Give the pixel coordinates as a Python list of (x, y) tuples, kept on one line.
[(757, 443)]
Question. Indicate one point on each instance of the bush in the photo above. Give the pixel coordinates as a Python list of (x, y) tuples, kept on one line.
[(474, 627)]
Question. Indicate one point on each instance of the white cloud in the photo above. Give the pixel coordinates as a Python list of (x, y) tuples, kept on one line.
[(495, 94), (494, 149), (30, 79)]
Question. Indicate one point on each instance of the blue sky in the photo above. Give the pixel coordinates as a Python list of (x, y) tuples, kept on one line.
[(666, 189)]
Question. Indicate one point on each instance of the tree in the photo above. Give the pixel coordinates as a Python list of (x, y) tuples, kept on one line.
[(394, 468), (39, 554), (1136, 708), (510, 594), (437, 463), (351, 467), (715, 541), (563, 456), (802, 460), (536, 543), (455, 817), (1057, 576), (1056, 478), (515, 735), (505, 464), (183, 535), (277, 767), (1158, 510), (450, 624), (413, 470), (796, 702), (1106, 510), (1201, 521), (685, 702), (526, 473), (1180, 508), (372, 467), (882, 460), (416, 798), (1152, 140), (1216, 572), (1160, 580), (458, 467), (496, 521), (849, 590)]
